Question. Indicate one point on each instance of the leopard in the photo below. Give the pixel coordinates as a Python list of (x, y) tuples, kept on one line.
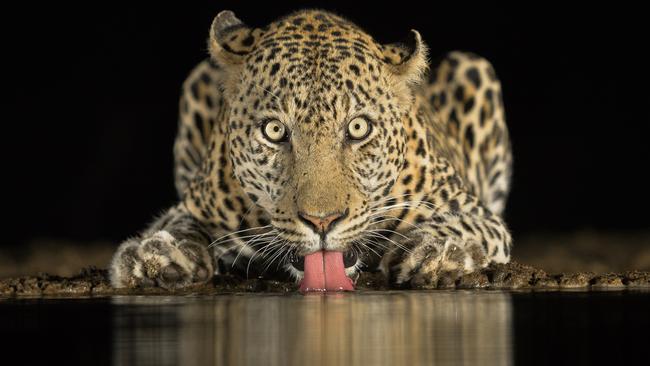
[(308, 135)]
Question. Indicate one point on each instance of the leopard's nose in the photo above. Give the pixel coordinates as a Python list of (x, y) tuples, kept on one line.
[(322, 224)]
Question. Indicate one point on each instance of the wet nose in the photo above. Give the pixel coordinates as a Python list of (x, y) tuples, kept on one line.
[(322, 224)]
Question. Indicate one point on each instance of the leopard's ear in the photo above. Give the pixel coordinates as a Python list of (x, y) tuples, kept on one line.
[(230, 39), (407, 60)]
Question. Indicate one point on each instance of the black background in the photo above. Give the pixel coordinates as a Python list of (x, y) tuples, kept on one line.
[(91, 97)]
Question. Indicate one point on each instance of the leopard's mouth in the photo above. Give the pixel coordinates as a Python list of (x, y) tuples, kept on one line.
[(350, 259), (325, 270)]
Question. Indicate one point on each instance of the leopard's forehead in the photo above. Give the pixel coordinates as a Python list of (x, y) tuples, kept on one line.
[(315, 34), (315, 54)]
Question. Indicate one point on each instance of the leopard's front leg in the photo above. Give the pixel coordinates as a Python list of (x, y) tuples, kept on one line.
[(172, 253), (447, 245)]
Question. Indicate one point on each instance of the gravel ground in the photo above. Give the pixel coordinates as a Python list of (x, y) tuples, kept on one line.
[(510, 276)]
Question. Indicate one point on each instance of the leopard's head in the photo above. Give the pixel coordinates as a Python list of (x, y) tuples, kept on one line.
[(316, 125)]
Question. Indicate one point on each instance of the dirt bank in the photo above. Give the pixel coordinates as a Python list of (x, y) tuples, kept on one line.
[(94, 281)]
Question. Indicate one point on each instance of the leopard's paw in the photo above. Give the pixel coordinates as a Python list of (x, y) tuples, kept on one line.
[(438, 263), (160, 261)]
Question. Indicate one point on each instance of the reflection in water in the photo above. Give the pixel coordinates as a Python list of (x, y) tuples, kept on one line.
[(396, 328)]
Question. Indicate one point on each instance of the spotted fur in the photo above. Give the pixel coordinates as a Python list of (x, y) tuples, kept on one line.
[(421, 196)]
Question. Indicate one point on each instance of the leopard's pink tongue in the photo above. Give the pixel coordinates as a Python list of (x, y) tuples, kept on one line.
[(324, 271)]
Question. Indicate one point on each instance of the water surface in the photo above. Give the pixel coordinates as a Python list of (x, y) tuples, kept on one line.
[(364, 328)]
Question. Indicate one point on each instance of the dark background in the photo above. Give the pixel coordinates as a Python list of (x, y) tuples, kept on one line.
[(91, 96)]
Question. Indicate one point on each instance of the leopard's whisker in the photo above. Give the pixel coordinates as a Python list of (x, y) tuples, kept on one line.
[(387, 218), (371, 243), (392, 232), (238, 232), (284, 258), (378, 235), (250, 259), (411, 204), (271, 244), (267, 91), (361, 241), (242, 238), (388, 198), (282, 249), (251, 243)]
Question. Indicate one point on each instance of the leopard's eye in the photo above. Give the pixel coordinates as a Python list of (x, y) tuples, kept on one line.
[(358, 128), (274, 131)]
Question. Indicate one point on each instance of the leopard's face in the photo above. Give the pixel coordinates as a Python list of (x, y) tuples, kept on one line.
[(316, 127), (306, 143)]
